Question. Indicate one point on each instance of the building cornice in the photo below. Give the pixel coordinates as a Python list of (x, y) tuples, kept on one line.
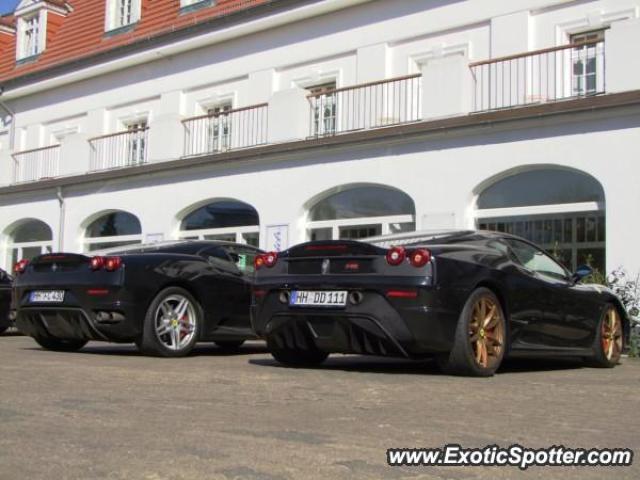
[(472, 124)]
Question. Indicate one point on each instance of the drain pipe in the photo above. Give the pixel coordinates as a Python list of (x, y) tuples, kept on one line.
[(61, 204), (12, 114), (12, 129)]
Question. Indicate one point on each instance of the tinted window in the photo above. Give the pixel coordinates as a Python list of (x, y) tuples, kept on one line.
[(362, 202), (32, 231), (542, 187), (243, 258), (536, 260), (114, 224), (222, 214)]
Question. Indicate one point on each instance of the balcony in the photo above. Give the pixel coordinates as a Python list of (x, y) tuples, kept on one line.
[(553, 74), (36, 164), (226, 130), (117, 150), (366, 106)]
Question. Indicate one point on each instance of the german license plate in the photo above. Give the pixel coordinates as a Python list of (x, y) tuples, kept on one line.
[(47, 296), (305, 298)]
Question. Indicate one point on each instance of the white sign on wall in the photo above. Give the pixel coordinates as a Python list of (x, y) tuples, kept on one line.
[(154, 237), (277, 238)]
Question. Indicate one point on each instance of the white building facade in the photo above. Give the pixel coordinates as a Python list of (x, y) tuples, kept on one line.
[(338, 119)]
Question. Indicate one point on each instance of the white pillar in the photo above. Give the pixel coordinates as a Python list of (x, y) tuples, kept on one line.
[(447, 88), (166, 132), (372, 63), (75, 154), (622, 63), (289, 116), (261, 86)]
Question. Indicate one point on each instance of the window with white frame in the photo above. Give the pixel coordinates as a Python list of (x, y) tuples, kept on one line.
[(31, 38), (28, 240), (188, 3), (587, 61), (361, 212), (219, 128), (136, 143), (227, 220), (563, 211), (323, 108), (121, 13), (113, 229)]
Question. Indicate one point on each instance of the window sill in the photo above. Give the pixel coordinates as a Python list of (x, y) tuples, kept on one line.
[(118, 30), (195, 6), (29, 59)]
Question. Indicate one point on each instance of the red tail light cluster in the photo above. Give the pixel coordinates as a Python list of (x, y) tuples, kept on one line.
[(396, 255), (21, 266), (110, 264), (268, 260), (418, 257)]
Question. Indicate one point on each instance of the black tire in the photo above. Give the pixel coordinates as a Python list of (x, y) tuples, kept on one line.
[(229, 344), (602, 357), (463, 358), (296, 357), (59, 344), (151, 343)]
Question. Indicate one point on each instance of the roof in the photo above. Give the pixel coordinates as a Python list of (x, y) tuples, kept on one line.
[(81, 33)]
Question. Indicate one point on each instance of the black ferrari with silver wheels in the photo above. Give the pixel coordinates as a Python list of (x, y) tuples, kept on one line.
[(467, 298), (172, 324), (164, 297)]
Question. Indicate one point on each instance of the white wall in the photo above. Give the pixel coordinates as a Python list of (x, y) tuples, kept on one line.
[(358, 44), (441, 175), (363, 43)]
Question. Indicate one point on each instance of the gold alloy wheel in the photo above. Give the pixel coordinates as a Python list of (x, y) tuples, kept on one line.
[(611, 335), (486, 332)]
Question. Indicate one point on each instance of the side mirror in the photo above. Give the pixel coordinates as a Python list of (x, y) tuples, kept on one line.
[(581, 272)]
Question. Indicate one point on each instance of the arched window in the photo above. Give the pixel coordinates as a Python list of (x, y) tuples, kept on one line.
[(113, 229), (361, 212), (561, 210), (227, 220), (29, 239)]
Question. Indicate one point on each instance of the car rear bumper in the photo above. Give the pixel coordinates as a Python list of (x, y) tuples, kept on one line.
[(376, 326), (110, 316)]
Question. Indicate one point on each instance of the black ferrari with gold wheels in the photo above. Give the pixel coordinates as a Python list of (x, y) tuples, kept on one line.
[(466, 298)]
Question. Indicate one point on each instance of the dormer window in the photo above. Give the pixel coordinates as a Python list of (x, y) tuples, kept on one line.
[(31, 36), (122, 13), (35, 21)]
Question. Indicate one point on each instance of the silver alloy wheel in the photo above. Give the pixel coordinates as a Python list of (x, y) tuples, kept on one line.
[(175, 322)]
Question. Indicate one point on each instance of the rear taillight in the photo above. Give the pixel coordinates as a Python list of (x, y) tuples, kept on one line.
[(268, 260), (110, 264), (396, 255), (97, 263), (420, 257), (21, 266)]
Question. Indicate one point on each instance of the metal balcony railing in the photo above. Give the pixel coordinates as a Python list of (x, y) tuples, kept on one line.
[(552, 74), (226, 130), (366, 106), (117, 150), (36, 164)]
